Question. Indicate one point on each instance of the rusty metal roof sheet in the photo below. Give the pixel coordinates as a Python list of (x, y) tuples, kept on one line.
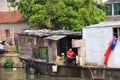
[(55, 37), (45, 32), (40, 33)]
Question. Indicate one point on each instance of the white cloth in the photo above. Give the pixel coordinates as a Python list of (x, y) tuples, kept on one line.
[(2, 46)]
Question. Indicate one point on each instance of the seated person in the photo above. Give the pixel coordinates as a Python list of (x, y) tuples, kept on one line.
[(70, 56)]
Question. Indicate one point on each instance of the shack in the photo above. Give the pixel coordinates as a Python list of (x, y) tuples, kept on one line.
[(97, 38), (45, 44)]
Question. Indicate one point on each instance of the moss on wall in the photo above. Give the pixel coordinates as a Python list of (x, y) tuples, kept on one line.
[(13, 57)]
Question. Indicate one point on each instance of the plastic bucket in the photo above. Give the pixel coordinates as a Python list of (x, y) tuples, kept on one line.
[(54, 68)]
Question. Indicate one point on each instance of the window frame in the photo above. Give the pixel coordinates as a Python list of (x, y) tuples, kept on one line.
[(116, 8), (108, 9), (116, 32)]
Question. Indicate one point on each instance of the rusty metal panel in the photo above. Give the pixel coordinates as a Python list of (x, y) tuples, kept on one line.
[(40, 42), (55, 37), (26, 51)]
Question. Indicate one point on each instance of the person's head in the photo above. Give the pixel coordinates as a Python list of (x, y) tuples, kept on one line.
[(70, 49), (63, 53)]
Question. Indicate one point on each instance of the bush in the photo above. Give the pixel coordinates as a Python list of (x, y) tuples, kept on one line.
[(8, 63)]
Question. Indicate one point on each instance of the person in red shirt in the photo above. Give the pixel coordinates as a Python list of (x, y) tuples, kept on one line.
[(70, 56)]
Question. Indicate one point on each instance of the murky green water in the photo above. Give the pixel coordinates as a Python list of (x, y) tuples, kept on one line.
[(19, 74)]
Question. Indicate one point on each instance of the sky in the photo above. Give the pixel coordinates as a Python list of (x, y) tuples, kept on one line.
[(104, 0)]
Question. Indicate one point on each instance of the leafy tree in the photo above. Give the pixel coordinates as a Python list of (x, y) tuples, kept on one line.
[(61, 14)]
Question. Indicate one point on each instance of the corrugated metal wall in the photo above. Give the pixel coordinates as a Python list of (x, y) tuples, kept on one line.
[(97, 41)]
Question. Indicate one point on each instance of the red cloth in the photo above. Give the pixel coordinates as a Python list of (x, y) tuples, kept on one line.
[(70, 54), (107, 53)]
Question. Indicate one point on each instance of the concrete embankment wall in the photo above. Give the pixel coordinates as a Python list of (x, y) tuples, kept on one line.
[(11, 56)]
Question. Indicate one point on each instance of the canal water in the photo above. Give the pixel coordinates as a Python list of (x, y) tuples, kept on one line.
[(19, 74)]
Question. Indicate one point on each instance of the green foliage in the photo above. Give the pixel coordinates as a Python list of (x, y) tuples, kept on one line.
[(61, 14), (8, 63), (11, 0), (13, 4), (15, 48)]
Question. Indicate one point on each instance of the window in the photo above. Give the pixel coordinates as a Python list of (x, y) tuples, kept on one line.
[(7, 32), (22, 39), (116, 32), (27, 40), (108, 9), (117, 9), (30, 40)]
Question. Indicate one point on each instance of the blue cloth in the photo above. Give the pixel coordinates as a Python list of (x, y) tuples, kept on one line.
[(114, 43)]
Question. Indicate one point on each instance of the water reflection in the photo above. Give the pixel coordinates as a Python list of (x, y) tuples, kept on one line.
[(12, 74), (19, 74)]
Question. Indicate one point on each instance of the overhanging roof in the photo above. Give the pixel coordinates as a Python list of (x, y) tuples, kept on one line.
[(105, 24), (55, 37)]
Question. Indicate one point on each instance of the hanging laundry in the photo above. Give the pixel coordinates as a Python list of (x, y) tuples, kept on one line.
[(107, 53), (114, 43)]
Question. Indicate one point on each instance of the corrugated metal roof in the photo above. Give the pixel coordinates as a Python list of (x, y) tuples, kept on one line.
[(40, 33), (45, 32), (55, 37), (106, 24)]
